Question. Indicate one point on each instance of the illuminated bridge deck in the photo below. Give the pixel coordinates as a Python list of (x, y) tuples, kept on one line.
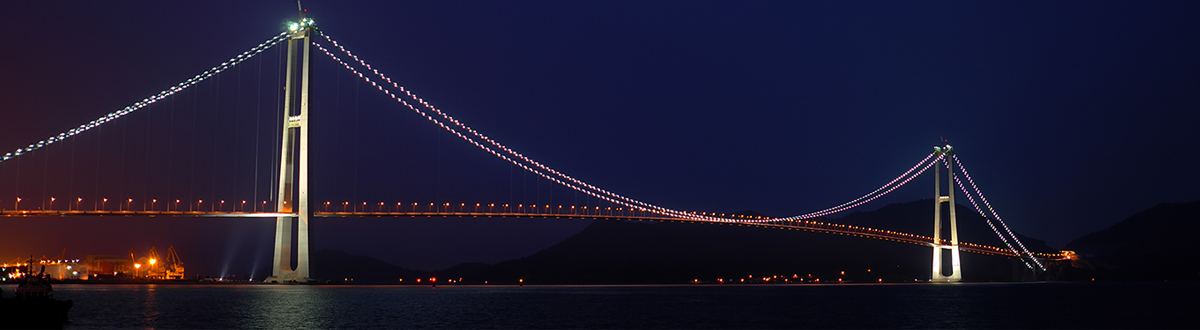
[(804, 225)]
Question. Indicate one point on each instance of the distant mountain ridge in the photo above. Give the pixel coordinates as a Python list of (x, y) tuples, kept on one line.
[(1156, 244), (656, 252), (333, 265), (668, 252)]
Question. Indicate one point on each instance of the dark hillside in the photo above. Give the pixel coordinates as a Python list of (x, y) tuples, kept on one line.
[(1156, 244), (668, 252)]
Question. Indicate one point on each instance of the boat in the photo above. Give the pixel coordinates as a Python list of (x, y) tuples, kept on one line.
[(33, 305)]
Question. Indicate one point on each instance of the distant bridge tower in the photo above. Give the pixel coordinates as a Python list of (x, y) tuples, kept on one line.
[(293, 162), (956, 274)]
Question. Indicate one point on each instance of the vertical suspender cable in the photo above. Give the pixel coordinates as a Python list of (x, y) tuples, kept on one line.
[(437, 185), (237, 100), (146, 163), (213, 141), (356, 141), (337, 107), (257, 135), (99, 142), (121, 190), (510, 183), (192, 155), (171, 158), (17, 188), (279, 126), (71, 179), (45, 164)]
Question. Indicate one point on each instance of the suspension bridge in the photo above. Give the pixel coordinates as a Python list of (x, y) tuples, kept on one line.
[(291, 204)]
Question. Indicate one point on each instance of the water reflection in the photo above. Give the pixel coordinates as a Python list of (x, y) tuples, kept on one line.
[(149, 307), (291, 307)]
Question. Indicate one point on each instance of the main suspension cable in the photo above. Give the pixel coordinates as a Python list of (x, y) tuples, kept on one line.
[(994, 214), (616, 198), (988, 220), (502, 156), (494, 143), (872, 195), (147, 101)]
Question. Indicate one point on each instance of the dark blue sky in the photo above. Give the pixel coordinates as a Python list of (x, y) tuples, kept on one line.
[(1070, 115)]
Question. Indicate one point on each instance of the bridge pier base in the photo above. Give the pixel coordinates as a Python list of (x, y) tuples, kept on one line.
[(281, 269), (955, 265)]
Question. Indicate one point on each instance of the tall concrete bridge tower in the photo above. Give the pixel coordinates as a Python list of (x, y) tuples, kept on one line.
[(293, 162), (956, 273)]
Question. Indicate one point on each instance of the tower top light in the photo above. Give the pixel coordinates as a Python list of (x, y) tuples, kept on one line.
[(304, 23)]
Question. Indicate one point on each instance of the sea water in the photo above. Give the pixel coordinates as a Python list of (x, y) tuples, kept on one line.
[(978, 305)]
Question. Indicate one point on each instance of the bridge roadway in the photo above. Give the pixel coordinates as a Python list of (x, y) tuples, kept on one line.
[(805, 225)]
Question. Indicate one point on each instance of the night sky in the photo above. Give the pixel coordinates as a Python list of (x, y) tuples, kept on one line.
[(1071, 115)]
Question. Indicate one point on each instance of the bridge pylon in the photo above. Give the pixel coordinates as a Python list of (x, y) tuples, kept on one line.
[(956, 266), (293, 162)]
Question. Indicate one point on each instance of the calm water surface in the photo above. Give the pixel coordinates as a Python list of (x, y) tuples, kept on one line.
[(1013, 305)]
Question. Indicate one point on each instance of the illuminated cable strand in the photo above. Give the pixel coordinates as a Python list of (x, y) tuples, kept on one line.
[(421, 101), (661, 210), (147, 101), (451, 129), (414, 97), (985, 218), (861, 200), (989, 223), (993, 211), (868, 197), (640, 204), (902, 183), (984, 215)]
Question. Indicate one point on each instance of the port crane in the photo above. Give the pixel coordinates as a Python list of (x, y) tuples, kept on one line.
[(172, 265)]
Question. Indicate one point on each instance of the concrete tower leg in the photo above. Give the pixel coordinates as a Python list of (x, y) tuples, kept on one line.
[(938, 245), (293, 165), (955, 263), (937, 222), (302, 203)]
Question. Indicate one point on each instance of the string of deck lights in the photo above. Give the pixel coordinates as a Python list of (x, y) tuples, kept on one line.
[(988, 220), (522, 210), (993, 211), (661, 210), (147, 101)]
